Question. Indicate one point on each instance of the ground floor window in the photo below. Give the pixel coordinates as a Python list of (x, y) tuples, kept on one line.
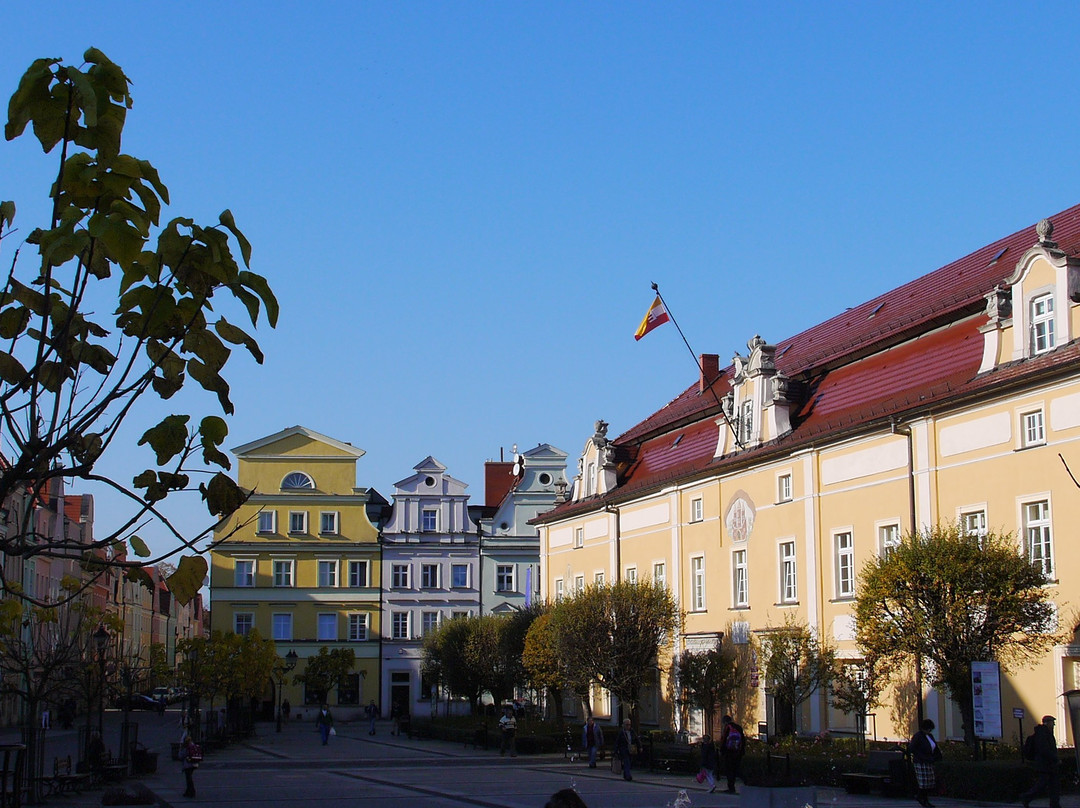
[(349, 689)]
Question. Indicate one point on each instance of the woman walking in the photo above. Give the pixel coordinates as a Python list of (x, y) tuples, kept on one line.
[(925, 752)]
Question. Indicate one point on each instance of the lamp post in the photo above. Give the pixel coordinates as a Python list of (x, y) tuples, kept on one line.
[(280, 673), (101, 640)]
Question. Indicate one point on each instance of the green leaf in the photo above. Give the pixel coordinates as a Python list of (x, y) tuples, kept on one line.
[(258, 284), (140, 576), (11, 371), (211, 381), (138, 546), (188, 579), (32, 91), (237, 336), (86, 91), (13, 321), (213, 431), (222, 495), (226, 218), (168, 438), (7, 212)]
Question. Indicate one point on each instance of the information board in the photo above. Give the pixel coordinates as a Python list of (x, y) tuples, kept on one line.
[(986, 697)]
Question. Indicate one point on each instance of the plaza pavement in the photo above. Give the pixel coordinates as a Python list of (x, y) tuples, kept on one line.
[(292, 769)]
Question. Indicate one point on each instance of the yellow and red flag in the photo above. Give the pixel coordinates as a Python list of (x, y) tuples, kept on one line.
[(656, 316)]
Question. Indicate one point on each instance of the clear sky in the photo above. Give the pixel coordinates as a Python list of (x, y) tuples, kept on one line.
[(461, 205)]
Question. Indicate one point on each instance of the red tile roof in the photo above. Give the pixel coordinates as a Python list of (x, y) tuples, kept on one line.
[(911, 347)]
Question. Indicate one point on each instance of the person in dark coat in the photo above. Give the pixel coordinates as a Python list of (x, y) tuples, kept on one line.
[(624, 746), (732, 749), (592, 740), (924, 752), (1043, 755)]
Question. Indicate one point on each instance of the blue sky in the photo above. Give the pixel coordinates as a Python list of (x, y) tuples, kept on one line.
[(461, 206)]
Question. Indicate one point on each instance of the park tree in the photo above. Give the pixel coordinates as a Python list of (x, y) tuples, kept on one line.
[(951, 598), (257, 661), (856, 688), (446, 660), (710, 679), (324, 671), (70, 377), (796, 664), (550, 671), (619, 633)]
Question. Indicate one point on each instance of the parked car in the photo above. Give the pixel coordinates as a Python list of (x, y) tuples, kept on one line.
[(136, 701)]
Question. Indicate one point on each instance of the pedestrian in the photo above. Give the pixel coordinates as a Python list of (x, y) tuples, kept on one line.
[(325, 722), (592, 740), (624, 747), (372, 712), (286, 708), (565, 798), (924, 752), (1041, 749), (192, 758), (508, 725), (395, 717), (710, 761), (732, 749)]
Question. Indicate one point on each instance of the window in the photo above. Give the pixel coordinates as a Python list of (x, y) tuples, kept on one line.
[(455, 615), (430, 520), (399, 625), (789, 588), (358, 627), (1032, 429), (697, 584), (659, 574), (888, 539), (328, 523), (558, 589), (243, 622), (327, 573), (399, 576), (429, 576), (1037, 538), (298, 521), (267, 522), (459, 576), (579, 537), (697, 507), (740, 596), (973, 523), (783, 488), (1042, 323), (297, 479), (327, 627), (579, 583), (245, 573), (598, 579), (348, 689), (429, 621), (631, 575), (282, 624), (844, 549), (358, 574), (283, 572), (504, 578), (746, 421)]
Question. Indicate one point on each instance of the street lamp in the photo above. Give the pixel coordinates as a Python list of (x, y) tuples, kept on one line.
[(280, 673), (101, 640)]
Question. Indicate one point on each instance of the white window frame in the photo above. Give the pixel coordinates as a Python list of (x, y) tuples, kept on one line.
[(357, 581), (429, 575), (697, 583), (243, 617), (579, 583), (631, 575), (429, 520), (281, 626), (266, 521), (322, 621), (1032, 428), (844, 564), (697, 509), (454, 570), (506, 578), (400, 576), (972, 520), (328, 573), (579, 537), (244, 579), (429, 621), (358, 626), (746, 420), (329, 523), (1042, 325), (784, 487), (559, 587), (659, 573), (1038, 534), (789, 571), (298, 523), (598, 578), (888, 537), (401, 625), (740, 583), (284, 572)]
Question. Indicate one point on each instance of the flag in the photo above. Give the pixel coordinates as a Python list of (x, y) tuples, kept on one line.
[(655, 316)]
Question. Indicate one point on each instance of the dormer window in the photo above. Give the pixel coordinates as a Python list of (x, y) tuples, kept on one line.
[(1042, 323), (746, 421)]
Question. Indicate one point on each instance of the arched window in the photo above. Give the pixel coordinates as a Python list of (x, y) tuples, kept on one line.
[(297, 479)]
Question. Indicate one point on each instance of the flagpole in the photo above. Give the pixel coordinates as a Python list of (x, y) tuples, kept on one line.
[(701, 369)]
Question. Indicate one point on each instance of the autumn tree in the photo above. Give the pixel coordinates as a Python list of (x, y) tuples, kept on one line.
[(324, 671), (856, 688), (710, 678), (70, 378), (796, 664), (550, 671), (618, 632), (952, 598)]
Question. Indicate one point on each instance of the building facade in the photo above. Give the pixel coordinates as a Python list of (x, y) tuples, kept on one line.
[(299, 561), (760, 491)]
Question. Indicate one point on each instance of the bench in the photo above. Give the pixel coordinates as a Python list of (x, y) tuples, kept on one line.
[(884, 769), (65, 779)]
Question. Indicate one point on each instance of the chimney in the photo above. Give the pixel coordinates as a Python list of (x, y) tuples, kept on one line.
[(710, 369)]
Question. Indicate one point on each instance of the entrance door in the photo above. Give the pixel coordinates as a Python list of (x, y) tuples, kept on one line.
[(400, 696)]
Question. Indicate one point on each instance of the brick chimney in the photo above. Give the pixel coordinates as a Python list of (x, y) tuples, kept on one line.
[(710, 369)]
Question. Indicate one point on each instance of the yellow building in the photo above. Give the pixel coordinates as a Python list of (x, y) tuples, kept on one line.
[(300, 560), (761, 491)]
